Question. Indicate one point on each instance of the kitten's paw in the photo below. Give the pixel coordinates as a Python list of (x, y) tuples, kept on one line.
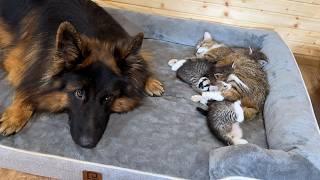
[(200, 99), (213, 88), (172, 62), (237, 103), (196, 98), (203, 84), (178, 64), (240, 141), (239, 111), (233, 77), (215, 95)]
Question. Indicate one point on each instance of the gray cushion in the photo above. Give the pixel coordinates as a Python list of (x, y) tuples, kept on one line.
[(166, 135), (288, 115)]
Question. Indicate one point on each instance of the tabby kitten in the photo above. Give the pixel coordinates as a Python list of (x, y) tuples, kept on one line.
[(223, 117), (213, 51), (197, 72), (248, 80)]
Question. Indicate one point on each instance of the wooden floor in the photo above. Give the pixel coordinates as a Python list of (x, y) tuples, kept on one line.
[(6, 174), (311, 76)]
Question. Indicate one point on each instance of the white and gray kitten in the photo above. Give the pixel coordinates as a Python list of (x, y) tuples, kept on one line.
[(223, 117)]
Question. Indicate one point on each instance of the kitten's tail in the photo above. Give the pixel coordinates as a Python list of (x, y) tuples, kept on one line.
[(202, 111)]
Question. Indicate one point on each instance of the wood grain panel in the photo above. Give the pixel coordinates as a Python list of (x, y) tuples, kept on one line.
[(297, 22), (280, 6), (222, 11), (6, 174)]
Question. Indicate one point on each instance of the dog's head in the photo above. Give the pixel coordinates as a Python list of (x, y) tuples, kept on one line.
[(91, 75)]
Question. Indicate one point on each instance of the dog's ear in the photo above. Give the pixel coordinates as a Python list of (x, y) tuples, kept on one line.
[(129, 47), (69, 46), (136, 43)]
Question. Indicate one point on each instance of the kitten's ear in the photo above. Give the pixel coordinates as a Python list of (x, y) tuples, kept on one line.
[(218, 76), (233, 65), (207, 36), (250, 50), (263, 62)]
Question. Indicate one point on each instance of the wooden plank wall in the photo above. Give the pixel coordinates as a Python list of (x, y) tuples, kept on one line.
[(297, 21)]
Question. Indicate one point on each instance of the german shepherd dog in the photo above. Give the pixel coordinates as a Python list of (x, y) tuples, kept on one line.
[(70, 56)]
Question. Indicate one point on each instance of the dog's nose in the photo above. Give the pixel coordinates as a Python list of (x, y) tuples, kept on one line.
[(87, 142)]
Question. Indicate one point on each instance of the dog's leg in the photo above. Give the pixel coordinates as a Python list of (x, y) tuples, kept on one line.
[(14, 65), (154, 87), (124, 104), (15, 116)]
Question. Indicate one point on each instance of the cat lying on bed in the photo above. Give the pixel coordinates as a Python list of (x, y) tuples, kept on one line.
[(197, 72), (248, 78), (240, 75), (223, 117), (253, 86), (213, 51)]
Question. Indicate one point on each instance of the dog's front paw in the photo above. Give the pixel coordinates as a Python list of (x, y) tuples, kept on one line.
[(154, 87), (196, 98), (10, 124), (124, 104)]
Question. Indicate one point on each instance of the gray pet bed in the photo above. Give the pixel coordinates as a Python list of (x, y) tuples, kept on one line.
[(167, 137)]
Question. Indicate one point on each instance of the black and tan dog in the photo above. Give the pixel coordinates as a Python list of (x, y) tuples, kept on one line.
[(72, 56)]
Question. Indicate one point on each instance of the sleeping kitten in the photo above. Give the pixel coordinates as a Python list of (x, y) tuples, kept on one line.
[(211, 50), (197, 72), (223, 117), (248, 80)]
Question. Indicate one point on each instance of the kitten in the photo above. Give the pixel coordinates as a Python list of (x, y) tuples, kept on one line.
[(248, 79), (211, 50), (223, 117), (197, 72)]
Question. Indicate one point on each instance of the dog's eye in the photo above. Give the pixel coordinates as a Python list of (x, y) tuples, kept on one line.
[(107, 98), (80, 94)]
